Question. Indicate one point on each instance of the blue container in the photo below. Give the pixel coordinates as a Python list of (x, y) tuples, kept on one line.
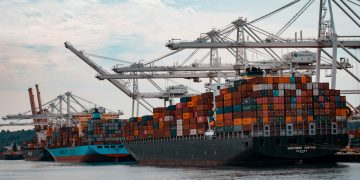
[(264, 93), (292, 79), (185, 99), (337, 98), (315, 98), (293, 100), (237, 108), (232, 89), (171, 108), (299, 112), (259, 107), (228, 109), (219, 111), (96, 116), (276, 93)]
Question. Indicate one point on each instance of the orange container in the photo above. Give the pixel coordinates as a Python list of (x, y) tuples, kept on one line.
[(246, 120), (310, 119), (303, 79), (343, 112), (299, 119), (187, 115), (219, 117), (237, 121), (227, 96), (191, 104), (270, 80), (265, 107), (265, 120), (338, 112), (286, 79), (224, 91), (288, 120)]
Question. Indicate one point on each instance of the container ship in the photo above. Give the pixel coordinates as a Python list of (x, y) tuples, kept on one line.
[(12, 152), (95, 140), (36, 154), (250, 121)]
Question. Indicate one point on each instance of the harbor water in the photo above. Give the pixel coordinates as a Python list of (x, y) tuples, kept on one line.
[(20, 169)]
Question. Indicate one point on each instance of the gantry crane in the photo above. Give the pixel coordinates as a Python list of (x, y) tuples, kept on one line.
[(221, 39), (232, 39), (64, 110), (124, 86)]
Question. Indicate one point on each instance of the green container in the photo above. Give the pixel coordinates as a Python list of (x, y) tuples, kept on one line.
[(219, 129), (228, 128)]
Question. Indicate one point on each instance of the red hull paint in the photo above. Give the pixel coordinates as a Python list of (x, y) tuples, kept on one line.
[(91, 158)]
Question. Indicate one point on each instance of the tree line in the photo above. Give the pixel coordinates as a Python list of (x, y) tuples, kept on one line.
[(19, 137)]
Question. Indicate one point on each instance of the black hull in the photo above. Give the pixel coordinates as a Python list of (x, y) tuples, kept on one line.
[(37, 155), (231, 150), (13, 157)]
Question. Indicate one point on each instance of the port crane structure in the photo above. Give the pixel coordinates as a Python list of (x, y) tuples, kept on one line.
[(240, 38), (64, 110)]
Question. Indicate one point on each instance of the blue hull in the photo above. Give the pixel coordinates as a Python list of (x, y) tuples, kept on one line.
[(90, 153)]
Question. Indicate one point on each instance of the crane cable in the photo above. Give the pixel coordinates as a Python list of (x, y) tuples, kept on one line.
[(108, 58), (274, 12), (295, 17)]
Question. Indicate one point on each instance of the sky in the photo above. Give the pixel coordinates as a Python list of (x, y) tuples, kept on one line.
[(33, 33)]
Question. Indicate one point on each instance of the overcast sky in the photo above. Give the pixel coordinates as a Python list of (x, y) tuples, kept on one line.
[(33, 32)]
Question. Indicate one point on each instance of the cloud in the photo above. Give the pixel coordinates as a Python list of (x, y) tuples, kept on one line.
[(33, 32)]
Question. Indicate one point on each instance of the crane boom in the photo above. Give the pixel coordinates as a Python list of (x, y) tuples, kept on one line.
[(32, 102), (39, 98), (120, 85), (98, 69)]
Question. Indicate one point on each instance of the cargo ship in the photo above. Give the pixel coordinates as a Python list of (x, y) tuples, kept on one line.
[(95, 140), (36, 154), (259, 120), (91, 153), (12, 152)]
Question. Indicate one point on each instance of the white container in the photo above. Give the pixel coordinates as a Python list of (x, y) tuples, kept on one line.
[(287, 86), (281, 92), (179, 122), (179, 127), (260, 87), (192, 131), (179, 133), (281, 86), (169, 118), (292, 86), (298, 92), (315, 92), (315, 85), (309, 86)]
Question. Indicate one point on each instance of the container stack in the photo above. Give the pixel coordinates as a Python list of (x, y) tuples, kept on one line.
[(189, 117), (104, 131), (64, 137), (353, 128), (279, 106)]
